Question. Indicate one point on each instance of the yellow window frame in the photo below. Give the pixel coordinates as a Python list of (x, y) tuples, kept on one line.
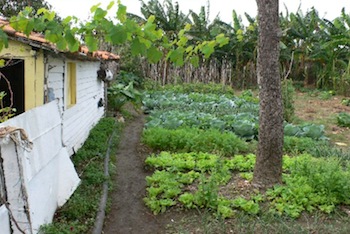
[(71, 94)]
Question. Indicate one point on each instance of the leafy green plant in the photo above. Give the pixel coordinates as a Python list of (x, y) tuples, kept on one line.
[(242, 163), (326, 95), (248, 95), (126, 77), (343, 119), (194, 140), (313, 131), (119, 94), (248, 206), (345, 101), (310, 184)]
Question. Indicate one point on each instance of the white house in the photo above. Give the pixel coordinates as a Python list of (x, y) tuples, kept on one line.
[(59, 98)]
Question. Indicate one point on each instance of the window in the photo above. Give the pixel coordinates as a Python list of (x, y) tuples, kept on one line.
[(14, 74), (71, 94)]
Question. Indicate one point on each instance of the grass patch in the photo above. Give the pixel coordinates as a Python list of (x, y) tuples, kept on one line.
[(78, 214), (202, 221)]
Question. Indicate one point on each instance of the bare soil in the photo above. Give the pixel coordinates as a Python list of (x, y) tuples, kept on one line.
[(315, 110), (128, 214)]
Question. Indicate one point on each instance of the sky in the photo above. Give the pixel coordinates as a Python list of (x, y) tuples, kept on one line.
[(327, 9)]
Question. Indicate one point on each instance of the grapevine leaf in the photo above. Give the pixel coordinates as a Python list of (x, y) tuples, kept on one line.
[(121, 13), (118, 34), (222, 40), (154, 55), (94, 7), (110, 5), (99, 14), (67, 20), (91, 42), (194, 60), (177, 56), (61, 45), (3, 40), (51, 36), (208, 49), (73, 44), (29, 27), (137, 47)]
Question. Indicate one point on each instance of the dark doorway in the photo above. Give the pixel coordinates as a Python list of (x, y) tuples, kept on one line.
[(14, 73)]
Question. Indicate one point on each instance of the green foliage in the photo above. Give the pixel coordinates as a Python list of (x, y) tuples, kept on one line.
[(310, 184), (146, 38), (343, 119), (6, 112), (194, 140), (171, 110), (297, 145), (241, 163), (313, 131), (78, 214), (326, 95), (13, 7), (326, 150), (288, 93), (248, 206), (125, 78), (202, 172), (249, 96), (167, 33), (345, 102), (205, 111), (119, 94)]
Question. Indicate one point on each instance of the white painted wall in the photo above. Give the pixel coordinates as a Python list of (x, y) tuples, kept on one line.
[(80, 118), (46, 173), (49, 177), (4, 220)]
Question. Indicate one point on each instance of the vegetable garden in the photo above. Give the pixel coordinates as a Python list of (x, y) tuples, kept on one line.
[(204, 145)]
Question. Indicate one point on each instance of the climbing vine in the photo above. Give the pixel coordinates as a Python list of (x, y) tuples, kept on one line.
[(145, 39)]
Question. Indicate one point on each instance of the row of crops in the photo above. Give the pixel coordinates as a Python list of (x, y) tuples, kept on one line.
[(212, 111), (204, 150)]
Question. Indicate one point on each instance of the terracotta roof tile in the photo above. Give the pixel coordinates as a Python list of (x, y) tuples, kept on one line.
[(39, 38)]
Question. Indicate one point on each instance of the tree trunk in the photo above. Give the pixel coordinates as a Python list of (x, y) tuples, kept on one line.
[(268, 168)]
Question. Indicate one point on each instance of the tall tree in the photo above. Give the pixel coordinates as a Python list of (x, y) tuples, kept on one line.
[(10, 8), (268, 168)]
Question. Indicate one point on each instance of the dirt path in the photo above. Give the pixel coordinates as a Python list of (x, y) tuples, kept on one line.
[(128, 213)]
